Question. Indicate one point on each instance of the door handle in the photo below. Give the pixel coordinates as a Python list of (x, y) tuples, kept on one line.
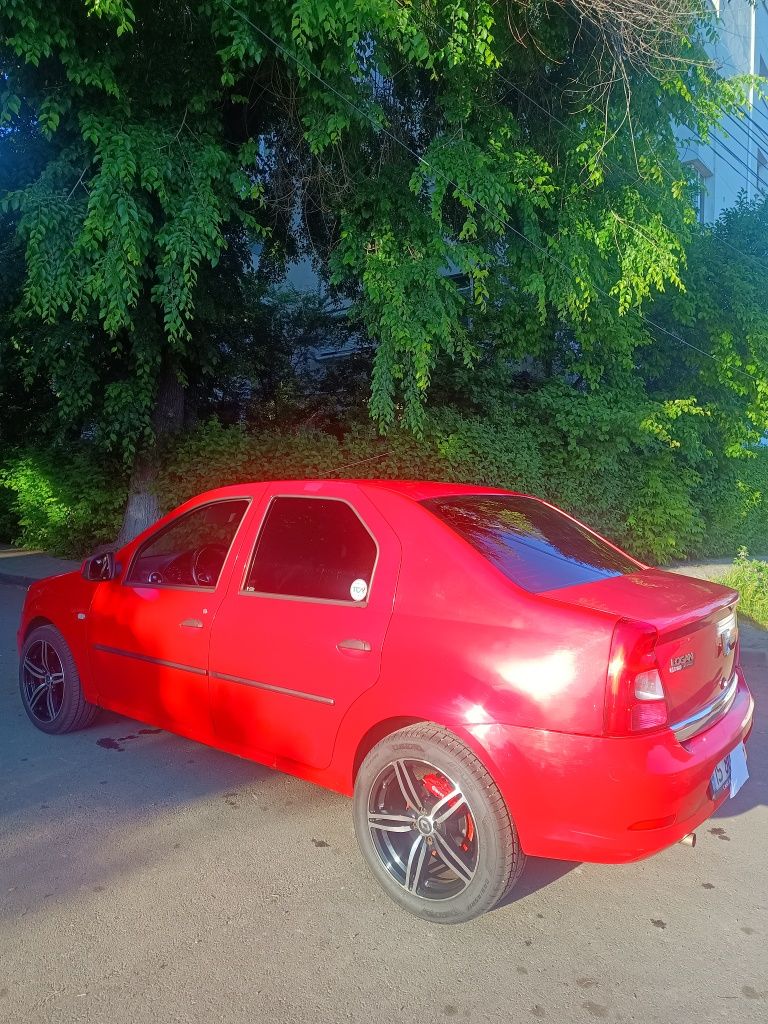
[(191, 623), (353, 645)]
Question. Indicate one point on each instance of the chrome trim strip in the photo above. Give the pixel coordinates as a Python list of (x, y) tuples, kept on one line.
[(150, 660), (702, 719), (273, 689)]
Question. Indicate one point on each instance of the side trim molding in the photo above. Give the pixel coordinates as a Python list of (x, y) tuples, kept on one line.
[(150, 660), (216, 675), (273, 689)]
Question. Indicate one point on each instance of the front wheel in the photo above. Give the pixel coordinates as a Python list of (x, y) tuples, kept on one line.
[(433, 826), (50, 684)]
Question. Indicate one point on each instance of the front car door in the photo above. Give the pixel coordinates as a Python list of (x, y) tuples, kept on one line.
[(149, 632), (299, 635)]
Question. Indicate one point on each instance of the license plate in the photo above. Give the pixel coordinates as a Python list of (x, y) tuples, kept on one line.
[(730, 773)]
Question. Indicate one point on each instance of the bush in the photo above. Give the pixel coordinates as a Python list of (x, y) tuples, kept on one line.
[(750, 578), (633, 490), (588, 454), (734, 505), (214, 455), (65, 503)]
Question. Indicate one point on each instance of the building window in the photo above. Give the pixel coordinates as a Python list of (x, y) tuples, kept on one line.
[(762, 172), (703, 198)]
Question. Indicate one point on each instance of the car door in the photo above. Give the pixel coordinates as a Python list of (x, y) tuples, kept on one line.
[(299, 635), (149, 631)]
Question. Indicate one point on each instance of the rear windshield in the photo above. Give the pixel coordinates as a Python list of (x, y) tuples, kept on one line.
[(535, 546)]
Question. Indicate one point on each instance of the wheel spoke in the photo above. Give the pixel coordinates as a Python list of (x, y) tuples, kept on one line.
[(415, 864), (391, 822), (407, 785), (37, 694), (44, 657), (33, 669), (56, 678), (452, 859), (49, 704), (445, 807)]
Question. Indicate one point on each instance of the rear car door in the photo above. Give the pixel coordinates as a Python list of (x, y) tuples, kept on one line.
[(299, 636), (149, 631)]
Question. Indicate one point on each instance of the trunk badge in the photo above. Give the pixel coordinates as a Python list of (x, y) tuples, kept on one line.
[(682, 661), (727, 641)]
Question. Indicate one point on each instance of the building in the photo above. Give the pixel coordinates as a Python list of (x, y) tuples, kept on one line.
[(735, 159)]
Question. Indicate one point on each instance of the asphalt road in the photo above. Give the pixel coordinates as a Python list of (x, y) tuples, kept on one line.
[(152, 879)]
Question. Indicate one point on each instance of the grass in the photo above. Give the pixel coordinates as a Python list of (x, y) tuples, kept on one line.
[(750, 578)]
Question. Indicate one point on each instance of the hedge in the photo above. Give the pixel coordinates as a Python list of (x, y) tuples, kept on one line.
[(645, 495)]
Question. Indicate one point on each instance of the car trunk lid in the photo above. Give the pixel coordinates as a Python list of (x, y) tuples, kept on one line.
[(696, 624)]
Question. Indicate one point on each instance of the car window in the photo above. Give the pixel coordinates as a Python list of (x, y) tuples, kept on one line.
[(535, 546), (315, 548), (191, 550)]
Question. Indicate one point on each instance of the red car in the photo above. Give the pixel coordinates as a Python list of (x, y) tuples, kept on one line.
[(488, 677)]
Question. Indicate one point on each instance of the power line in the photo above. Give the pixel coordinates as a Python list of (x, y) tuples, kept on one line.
[(745, 165), (582, 27), (761, 135), (436, 171), (621, 170), (729, 134)]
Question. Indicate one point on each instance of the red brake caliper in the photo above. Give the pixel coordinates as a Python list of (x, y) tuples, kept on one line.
[(438, 786)]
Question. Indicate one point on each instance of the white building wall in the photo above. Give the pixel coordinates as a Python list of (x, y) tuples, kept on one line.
[(735, 160)]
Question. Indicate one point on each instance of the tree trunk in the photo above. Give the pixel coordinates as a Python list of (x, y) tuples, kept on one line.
[(143, 508)]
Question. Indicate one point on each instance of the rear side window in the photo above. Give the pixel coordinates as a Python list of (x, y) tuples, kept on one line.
[(314, 548), (535, 546)]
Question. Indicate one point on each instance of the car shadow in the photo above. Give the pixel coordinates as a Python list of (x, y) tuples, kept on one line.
[(80, 812), (538, 874)]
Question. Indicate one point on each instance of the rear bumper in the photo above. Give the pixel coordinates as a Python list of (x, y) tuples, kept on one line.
[(578, 797)]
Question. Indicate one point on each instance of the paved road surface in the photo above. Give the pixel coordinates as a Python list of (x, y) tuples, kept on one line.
[(144, 878)]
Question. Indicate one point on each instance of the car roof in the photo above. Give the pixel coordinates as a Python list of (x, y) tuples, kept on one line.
[(416, 490)]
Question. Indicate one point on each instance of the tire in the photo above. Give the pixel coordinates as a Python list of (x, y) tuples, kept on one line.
[(50, 684), (472, 856)]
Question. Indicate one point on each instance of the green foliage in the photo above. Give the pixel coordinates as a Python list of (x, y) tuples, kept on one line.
[(586, 455), (392, 141), (63, 502), (750, 578), (723, 313), (462, 171), (589, 455), (214, 455), (734, 503)]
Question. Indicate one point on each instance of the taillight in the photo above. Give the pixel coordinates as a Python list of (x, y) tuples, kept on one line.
[(635, 699)]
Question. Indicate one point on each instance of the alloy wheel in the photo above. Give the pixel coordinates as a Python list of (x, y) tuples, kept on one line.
[(423, 829), (43, 681)]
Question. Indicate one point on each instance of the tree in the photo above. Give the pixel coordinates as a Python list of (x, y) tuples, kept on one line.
[(391, 141), (718, 350)]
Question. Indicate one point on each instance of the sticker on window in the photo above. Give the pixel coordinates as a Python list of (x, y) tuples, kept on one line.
[(358, 591)]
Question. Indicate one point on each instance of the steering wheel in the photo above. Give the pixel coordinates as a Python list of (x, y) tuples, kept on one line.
[(207, 561)]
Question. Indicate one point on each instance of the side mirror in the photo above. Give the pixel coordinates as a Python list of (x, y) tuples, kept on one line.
[(100, 567)]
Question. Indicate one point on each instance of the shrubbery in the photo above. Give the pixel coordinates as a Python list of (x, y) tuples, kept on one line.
[(750, 578), (641, 492), (66, 503)]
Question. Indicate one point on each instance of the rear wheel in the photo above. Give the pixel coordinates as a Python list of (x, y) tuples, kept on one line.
[(50, 684), (434, 827)]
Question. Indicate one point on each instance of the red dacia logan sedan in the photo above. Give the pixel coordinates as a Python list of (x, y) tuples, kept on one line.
[(486, 676)]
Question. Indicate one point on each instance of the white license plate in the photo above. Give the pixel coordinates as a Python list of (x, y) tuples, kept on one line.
[(731, 772)]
